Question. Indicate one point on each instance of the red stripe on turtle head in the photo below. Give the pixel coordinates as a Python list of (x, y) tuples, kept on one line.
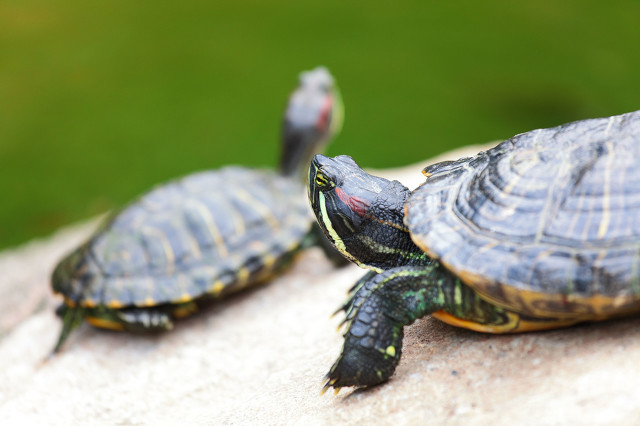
[(356, 204), (323, 119)]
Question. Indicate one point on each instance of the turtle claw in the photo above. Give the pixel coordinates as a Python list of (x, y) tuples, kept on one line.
[(345, 322), (373, 340), (340, 309), (363, 361), (328, 384), (347, 309)]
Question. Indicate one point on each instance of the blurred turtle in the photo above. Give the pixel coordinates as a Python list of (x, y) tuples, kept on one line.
[(542, 231), (203, 236)]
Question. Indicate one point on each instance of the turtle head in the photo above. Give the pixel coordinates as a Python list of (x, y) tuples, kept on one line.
[(362, 215), (313, 116)]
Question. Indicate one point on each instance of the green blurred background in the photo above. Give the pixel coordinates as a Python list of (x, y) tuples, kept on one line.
[(101, 100)]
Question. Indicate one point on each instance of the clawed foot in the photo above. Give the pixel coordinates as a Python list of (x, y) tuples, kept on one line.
[(372, 346), (362, 364), (378, 308)]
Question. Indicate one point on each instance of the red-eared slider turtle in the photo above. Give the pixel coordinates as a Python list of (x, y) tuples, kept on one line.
[(203, 236), (541, 231)]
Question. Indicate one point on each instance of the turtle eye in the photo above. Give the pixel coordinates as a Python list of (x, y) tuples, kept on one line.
[(322, 181)]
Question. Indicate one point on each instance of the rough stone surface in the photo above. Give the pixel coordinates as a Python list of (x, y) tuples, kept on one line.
[(260, 357)]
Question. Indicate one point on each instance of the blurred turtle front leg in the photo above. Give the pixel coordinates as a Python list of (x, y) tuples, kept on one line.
[(71, 319)]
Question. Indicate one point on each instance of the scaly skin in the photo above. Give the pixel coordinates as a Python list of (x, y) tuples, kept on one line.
[(362, 216), (543, 227), (384, 303)]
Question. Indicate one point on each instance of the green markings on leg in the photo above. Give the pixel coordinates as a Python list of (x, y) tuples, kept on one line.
[(391, 350), (464, 303), (382, 304), (441, 290), (413, 293)]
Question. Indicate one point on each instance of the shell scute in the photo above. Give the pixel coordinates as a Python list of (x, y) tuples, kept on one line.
[(552, 212), (194, 236)]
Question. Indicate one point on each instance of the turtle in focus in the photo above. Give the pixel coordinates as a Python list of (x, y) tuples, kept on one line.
[(541, 231), (203, 236)]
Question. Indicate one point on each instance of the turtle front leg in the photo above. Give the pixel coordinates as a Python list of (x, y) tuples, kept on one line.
[(380, 308), (71, 319), (375, 316)]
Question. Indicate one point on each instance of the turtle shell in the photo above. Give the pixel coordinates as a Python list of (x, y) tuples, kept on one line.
[(207, 233), (546, 223)]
